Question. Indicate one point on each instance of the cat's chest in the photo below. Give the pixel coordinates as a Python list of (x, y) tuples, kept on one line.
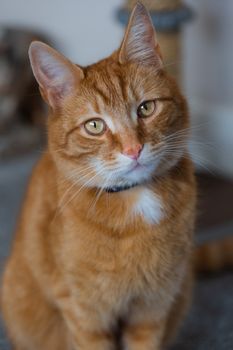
[(148, 206), (130, 272), (121, 261)]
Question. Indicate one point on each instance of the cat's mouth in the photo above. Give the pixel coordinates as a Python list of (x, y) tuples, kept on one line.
[(141, 168), (138, 174), (136, 166), (126, 176)]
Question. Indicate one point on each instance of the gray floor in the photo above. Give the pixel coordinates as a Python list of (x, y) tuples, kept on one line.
[(209, 325)]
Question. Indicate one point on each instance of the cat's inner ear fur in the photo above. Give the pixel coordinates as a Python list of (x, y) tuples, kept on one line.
[(56, 75), (140, 43)]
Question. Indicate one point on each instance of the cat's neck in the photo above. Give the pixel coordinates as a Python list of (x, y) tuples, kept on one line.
[(117, 208), (120, 188), (124, 207)]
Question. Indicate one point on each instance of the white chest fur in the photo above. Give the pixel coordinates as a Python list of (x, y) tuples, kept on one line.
[(149, 207)]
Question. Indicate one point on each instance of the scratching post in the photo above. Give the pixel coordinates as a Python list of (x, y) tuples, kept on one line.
[(156, 5), (168, 17)]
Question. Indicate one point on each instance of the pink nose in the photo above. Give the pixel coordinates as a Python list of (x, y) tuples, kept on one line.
[(133, 152)]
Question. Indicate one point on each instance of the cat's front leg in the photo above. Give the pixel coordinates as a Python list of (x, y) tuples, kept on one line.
[(90, 340), (144, 336), (86, 329), (144, 328)]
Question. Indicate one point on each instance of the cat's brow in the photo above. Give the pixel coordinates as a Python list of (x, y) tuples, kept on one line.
[(122, 86), (111, 89), (165, 98)]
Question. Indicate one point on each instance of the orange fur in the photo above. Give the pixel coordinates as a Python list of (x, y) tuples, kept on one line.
[(82, 264)]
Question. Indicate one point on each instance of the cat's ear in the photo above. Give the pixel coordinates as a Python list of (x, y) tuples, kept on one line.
[(140, 43), (56, 75)]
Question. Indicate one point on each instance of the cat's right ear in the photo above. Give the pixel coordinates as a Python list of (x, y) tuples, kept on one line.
[(56, 75), (140, 44)]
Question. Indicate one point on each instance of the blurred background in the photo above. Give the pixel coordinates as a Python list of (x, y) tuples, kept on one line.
[(196, 40)]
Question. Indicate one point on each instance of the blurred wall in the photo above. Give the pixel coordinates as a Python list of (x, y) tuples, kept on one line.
[(84, 30), (208, 82)]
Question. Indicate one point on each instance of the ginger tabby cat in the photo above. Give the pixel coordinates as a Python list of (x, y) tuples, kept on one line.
[(103, 248)]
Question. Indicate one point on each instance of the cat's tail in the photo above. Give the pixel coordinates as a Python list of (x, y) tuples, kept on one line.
[(214, 256)]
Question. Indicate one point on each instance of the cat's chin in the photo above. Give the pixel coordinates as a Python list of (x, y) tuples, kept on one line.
[(138, 175)]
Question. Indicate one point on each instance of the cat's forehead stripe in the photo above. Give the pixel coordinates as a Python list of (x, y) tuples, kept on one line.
[(112, 88)]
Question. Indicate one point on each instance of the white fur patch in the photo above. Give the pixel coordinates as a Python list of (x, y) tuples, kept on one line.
[(149, 206), (109, 123)]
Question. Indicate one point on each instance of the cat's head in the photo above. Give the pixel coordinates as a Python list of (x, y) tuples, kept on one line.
[(120, 121)]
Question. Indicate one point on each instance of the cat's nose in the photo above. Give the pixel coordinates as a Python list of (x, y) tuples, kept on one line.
[(133, 151)]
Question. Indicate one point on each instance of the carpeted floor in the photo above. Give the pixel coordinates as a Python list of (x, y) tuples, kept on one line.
[(209, 325)]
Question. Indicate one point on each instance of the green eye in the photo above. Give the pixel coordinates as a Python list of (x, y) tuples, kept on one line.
[(95, 127), (146, 109)]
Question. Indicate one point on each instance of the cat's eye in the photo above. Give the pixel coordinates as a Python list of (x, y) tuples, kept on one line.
[(95, 127), (146, 109)]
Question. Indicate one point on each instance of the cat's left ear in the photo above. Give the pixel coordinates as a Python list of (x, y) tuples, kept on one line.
[(140, 43), (57, 77)]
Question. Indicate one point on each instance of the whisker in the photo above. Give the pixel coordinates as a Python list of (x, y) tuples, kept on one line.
[(97, 195), (81, 188), (61, 204), (74, 174), (99, 192), (72, 186)]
